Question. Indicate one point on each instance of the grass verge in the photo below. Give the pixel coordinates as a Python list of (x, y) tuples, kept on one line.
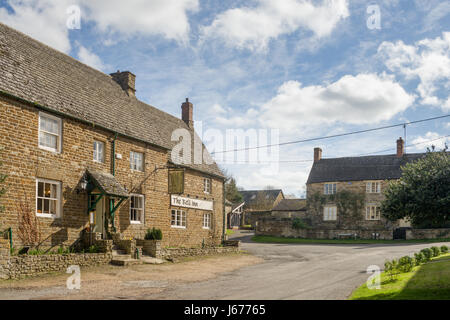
[(270, 239), (430, 281), (230, 232)]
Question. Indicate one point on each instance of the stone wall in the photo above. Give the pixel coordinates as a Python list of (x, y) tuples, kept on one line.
[(282, 227), (4, 259), (352, 220), (427, 233), (170, 253), (27, 265)]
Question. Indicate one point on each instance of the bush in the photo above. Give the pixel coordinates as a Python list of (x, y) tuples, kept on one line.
[(436, 251), (390, 268), (419, 258), (153, 234), (298, 224), (405, 264), (427, 254), (444, 249), (93, 249)]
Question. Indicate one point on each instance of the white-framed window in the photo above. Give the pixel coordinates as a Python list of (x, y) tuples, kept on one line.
[(330, 213), (99, 151), (207, 185), (50, 132), (206, 220), (373, 212), (137, 205), (136, 161), (329, 188), (373, 187), (48, 198), (178, 219)]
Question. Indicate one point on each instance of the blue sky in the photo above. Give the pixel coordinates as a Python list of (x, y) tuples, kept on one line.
[(305, 68)]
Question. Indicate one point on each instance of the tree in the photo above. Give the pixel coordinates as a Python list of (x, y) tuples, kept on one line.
[(422, 194), (232, 193)]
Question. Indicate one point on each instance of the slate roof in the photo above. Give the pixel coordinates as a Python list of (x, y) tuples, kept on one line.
[(260, 199), (383, 167), (37, 73), (291, 205), (107, 183)]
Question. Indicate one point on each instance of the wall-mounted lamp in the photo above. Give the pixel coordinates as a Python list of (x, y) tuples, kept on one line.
[(83, 185)]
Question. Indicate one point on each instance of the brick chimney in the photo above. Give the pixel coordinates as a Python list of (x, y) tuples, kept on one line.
[(187, 111), (317, 154), (126, 80), (400, 147)]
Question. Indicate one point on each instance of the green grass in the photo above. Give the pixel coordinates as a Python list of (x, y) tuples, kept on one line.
[(270, 239), (430, 281), (230, 232)]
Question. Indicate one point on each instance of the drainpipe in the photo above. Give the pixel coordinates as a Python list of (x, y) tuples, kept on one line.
[(224, 214), (10, 239), (113, 169)]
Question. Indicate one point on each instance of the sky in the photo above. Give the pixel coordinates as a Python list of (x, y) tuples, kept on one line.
[(277, 71)]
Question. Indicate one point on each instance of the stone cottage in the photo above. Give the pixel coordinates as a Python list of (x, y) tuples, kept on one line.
[(84, 154), (344, 196), (257, 202)]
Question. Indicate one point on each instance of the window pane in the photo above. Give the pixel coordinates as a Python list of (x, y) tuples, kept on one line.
[(39, 205), (48, 140), (40, 189), (53, 204), (53, 191), (46, 206), (46, 190), (49, 125)]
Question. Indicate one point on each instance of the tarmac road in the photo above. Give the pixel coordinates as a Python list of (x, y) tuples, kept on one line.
[(295, 271)]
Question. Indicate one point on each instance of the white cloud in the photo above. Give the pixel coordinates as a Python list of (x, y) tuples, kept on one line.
[(90, 58), (157, 17), (44, 20), (428, 60), (430, 138), (365, 98), (254, 27)]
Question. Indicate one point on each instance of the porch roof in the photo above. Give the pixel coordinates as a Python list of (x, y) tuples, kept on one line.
[(107, 184)]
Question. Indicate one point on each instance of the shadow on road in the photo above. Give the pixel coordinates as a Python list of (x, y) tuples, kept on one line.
[(242, 235)]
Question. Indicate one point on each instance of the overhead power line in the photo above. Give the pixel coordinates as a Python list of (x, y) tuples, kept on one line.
[(333, 136), (359, 155)]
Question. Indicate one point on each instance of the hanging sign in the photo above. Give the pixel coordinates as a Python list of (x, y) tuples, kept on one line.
[(192, 203)]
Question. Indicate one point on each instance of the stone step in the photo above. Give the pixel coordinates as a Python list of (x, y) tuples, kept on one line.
[(125, 262)]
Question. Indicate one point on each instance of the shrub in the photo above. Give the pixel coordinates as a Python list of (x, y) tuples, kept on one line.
[(405, 264), (444, 249), (427, 254), (390, 268), (93, 249), (419, 258), (153, 234), (298, 224), (436, 251)]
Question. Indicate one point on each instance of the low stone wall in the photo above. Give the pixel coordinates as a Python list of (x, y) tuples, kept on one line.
[(27, 266), (427, 233), (282, 227), (150, 247), (170, 253), (4, 259)]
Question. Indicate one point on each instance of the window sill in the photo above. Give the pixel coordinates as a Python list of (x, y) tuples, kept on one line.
[(136, 222), (206, 228), (55, 151), (178, 227), (44, 215)]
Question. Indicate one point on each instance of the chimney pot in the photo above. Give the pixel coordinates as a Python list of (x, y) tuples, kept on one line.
[(187, 113), (400, 147), (317, 154), (126, 80)]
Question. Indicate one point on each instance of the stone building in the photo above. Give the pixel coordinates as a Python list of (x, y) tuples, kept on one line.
[(346, 193), (258, 202), (83, 153), (344, 196)]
